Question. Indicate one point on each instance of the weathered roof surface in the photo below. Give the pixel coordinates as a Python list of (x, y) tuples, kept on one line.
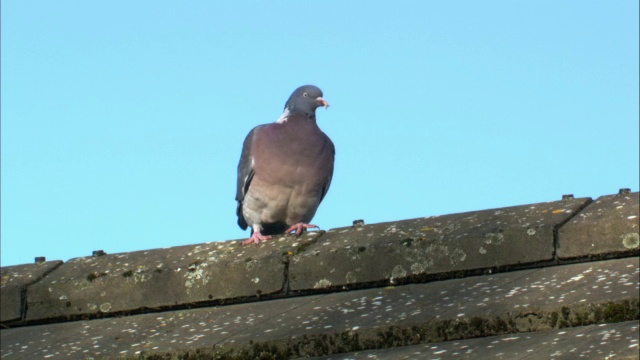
[(603, 341), (548, 279)]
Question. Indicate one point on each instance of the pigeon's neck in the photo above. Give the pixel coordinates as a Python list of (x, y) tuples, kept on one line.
[(287, 113)]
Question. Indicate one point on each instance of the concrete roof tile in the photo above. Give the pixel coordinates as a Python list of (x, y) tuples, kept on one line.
[(176, 276), (608, 225), (514, 302), (14, 281), (537, 268), (394, 251)]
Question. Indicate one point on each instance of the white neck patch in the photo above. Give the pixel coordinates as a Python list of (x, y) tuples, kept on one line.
[(284, 117)]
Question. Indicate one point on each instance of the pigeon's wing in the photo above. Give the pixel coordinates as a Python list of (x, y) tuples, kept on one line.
[(245, 173), (328, 166)]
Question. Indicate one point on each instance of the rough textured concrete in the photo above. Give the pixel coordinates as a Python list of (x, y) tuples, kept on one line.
[(519, 301), (159, 278), (608, 225), (604, 341), (394, 251), (14, 280), (398, 285)]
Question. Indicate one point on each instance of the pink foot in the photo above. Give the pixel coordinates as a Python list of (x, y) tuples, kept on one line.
[(256, 238), (299, 228)]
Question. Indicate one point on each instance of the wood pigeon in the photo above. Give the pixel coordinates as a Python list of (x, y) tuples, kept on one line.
[(285, 170)]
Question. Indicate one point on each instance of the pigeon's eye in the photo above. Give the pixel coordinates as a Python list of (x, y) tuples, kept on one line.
[(305, 94)]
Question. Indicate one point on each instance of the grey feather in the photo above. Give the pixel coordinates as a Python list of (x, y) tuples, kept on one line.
[(245, 175)]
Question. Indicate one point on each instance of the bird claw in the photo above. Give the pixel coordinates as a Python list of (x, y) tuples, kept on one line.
[(299, 228), (256, 238)]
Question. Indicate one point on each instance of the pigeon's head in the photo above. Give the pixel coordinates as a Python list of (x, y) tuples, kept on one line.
[(305, 99)]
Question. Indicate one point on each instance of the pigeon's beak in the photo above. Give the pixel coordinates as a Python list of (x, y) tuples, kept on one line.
[(322, 102)]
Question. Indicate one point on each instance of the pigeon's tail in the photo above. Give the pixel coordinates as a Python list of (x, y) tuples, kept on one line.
[(274, 228), (241, 221)]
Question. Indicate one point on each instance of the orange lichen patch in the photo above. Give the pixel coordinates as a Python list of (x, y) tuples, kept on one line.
[(557, 211)]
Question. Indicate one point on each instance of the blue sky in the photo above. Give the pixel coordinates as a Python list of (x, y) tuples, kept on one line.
[(122, 122)]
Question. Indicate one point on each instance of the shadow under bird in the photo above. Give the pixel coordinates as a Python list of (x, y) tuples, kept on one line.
[(285, 170)]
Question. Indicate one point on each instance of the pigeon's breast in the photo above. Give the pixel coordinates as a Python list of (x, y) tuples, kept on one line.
[(293, 163)]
